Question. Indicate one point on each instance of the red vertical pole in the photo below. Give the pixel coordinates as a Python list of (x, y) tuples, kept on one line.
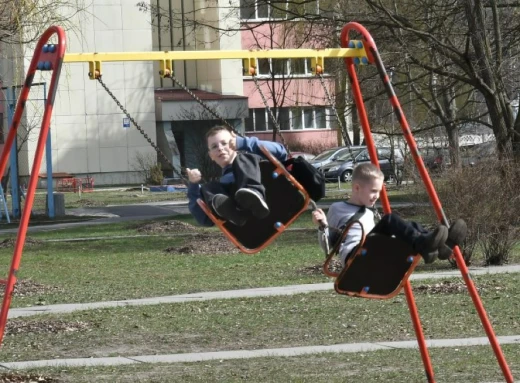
[(374, 57), (363, 118), (46, 57)]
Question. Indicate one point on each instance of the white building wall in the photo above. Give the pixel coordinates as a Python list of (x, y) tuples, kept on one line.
[(87, 130)]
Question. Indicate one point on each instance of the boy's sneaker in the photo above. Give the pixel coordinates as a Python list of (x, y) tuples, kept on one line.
[(456, 236), (249, 199), (226, 209), (427, 244)]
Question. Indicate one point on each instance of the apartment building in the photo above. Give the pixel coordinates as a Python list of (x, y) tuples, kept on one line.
[(92, 137)]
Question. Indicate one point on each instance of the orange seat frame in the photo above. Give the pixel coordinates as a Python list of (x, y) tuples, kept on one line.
[(265, 237)]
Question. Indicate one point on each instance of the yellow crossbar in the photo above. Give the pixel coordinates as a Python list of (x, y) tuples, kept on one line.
[(213, 55)]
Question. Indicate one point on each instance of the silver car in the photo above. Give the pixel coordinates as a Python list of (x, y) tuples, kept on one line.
[(330, 155)]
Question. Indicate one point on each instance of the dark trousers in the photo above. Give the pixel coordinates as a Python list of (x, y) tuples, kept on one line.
[(246, 170), (406, 231)]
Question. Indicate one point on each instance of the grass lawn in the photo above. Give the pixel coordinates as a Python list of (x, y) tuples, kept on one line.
[(319, 318), (143, 259), (125, 261), (106, 197), (451, 365)]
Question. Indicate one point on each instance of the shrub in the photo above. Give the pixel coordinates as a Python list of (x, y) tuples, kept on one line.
[(146, 165), (486, 197), (155, 175)]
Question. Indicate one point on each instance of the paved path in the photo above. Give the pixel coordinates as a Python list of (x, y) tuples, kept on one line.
[(231, 294), (248, 354)]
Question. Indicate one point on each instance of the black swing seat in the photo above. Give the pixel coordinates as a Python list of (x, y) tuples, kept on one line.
[(379, 268), (286, 199)]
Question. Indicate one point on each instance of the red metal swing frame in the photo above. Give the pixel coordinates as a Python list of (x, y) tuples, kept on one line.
[(373, 57), (47, 57), (53, 59)]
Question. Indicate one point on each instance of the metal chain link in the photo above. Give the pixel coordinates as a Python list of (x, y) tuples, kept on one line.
[(344, 132), (159, 152), (204, 105), (271, 115)]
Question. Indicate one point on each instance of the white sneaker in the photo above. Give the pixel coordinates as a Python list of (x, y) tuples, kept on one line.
[(249, 199)]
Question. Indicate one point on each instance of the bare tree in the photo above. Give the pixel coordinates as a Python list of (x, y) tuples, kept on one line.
[(456, 58), (24, 21)]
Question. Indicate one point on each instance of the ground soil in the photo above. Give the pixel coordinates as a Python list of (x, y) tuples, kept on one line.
[(25, 378), (207, 244), (10, 242), (27, 287), (165, 227)]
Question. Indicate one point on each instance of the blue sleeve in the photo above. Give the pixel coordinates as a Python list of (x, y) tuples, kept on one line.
[(194, 208), (253, 144)]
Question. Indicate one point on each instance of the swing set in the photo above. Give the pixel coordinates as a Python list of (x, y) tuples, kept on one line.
[(370, 273)]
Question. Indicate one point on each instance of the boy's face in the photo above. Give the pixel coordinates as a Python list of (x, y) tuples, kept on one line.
[(367, 192), (220, 150)]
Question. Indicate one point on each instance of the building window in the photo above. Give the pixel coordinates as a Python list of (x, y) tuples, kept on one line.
[(286, 68), (277, 10), (290, 119), (262, 10)]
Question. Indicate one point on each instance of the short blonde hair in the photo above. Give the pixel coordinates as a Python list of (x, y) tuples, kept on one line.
[(366, 172)]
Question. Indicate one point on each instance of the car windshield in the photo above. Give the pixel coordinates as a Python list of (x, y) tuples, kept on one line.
[(324, 155), (345, 155)]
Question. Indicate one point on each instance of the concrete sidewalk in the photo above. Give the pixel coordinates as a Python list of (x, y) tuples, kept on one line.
[(262, 353), (233, 294)]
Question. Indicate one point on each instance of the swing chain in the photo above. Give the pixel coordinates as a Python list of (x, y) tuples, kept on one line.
[(271, 115), (204, 105), (159, 152), (340, 123)]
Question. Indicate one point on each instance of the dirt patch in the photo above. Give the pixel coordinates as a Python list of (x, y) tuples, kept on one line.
[(166, 226), (17, 326), (10, 242), (25, 378), (445, 287), (334, 266), (27, 287), (205, 244)]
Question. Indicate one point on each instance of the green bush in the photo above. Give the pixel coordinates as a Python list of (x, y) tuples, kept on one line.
[(155, 175)]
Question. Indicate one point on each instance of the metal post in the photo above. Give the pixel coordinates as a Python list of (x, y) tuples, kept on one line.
[(48, 159), (13, 158)]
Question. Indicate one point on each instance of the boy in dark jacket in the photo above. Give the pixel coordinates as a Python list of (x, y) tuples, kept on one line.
[(239, 194)]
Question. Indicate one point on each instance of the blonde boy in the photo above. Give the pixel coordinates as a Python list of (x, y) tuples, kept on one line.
[(367, 182)]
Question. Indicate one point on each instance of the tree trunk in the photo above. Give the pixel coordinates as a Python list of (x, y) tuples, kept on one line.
[(450, 105), (490, 85)]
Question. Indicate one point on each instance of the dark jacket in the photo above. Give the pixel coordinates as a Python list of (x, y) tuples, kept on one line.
[(245, 144)]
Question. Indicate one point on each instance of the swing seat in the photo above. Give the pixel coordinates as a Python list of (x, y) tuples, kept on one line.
[(379, 268), (286, 199)]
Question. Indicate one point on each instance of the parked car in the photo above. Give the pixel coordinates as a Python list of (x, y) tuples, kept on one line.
[(330, 155), (306, 156), (344, 164)]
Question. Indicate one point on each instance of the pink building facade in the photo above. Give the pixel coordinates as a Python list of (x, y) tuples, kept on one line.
[(294, 94)]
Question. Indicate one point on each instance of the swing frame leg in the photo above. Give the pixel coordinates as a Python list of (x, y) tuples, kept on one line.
[(419, 334)]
